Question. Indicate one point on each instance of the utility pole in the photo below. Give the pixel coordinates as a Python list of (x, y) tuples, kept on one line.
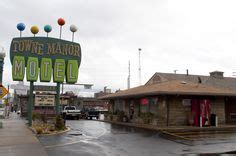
[(139, 68), (128, 83), (2, 56)]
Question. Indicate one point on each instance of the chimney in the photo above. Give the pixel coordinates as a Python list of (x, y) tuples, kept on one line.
[(105, 89), (217, 74), (187, 72)]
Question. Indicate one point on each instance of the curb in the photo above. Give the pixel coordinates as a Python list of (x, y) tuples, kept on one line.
[(130, 125), (171, 129), (56, 133), (177, 138), (50, 134)]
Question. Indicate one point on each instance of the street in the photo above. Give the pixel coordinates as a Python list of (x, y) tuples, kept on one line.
[(91, 137)]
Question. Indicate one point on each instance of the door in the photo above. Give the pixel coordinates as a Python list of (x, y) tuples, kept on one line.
[(230, 110), (201, 108), (195, 111)]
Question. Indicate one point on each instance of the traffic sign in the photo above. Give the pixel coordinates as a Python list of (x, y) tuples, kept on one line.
[(3, 91)]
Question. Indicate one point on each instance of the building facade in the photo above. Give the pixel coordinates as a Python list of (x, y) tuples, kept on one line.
[(178, 100)]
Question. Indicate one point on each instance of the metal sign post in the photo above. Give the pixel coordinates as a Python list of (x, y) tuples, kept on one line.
[(58, 99), (31, 103)]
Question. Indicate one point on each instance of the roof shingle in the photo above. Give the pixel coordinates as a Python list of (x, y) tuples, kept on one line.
[(173, 87)]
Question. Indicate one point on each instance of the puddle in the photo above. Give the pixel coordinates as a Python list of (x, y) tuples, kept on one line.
[(76, 134)]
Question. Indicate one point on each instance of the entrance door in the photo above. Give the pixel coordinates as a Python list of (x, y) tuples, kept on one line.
[(195, 111), (200, 108)]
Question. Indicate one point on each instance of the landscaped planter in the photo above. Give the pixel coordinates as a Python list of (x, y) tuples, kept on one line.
[(154, 122), (115, 118), (138, 120), (158, 122)]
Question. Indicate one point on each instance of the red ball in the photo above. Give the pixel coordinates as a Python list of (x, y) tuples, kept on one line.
[(61, 21)]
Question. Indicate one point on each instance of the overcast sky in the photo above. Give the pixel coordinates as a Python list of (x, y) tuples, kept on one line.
[(199, 35)]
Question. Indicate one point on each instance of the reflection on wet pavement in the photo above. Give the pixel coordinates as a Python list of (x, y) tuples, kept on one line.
[(98, 138)]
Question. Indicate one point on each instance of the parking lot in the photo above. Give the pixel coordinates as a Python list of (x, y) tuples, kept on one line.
[(92, 137)]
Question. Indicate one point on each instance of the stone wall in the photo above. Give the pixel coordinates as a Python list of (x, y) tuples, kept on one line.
[(158, 108), (178, 113), (127, 107), (161, 113), (119, 105), (218, 108)]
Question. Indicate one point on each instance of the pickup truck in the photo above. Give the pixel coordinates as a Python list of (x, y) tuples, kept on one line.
[(71, 112), (90, 113)]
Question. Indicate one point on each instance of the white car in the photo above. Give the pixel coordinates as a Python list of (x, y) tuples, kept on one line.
[(71, 112), (18, 112)]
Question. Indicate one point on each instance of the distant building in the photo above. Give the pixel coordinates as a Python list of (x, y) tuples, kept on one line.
[(102, 93), (44, 100), (86, 102)]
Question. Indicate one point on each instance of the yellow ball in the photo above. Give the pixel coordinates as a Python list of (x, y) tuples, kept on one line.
[(34, 29)]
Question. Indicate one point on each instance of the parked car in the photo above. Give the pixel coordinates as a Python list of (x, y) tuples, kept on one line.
[(71, 112), (90, 113), (18, 112)]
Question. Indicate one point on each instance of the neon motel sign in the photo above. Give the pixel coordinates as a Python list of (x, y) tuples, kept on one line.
[(43, 57)]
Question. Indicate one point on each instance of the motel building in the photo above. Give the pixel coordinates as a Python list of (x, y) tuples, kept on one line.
[(177, 100)]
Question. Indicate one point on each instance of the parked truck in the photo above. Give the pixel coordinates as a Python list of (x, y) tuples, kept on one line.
[(71, 112), (90, 113)]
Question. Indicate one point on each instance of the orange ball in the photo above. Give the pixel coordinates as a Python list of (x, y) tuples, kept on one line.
[(61, 21)]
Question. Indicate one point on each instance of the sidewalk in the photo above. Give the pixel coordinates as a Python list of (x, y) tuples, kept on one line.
[(17, 140)]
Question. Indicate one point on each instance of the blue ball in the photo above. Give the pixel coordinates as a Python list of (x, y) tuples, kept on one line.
[(47, 28), (20, 26)]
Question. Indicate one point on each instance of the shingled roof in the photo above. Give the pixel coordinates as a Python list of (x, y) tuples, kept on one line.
[(173, 87), (222, 82)]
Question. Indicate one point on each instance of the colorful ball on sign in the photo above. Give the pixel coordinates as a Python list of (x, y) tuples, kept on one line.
[(61, 21), (34, 29), (47, 28), (20, 26), (73, 28)]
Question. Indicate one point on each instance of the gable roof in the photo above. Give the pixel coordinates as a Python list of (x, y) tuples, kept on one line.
[(225, 82), (174, 87)]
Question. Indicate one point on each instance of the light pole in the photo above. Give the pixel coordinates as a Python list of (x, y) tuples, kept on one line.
[(2, 56)]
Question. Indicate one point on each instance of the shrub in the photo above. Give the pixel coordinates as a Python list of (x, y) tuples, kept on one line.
[(36, 116), (111, 117), (39, 130), (59, 123), (51, 128), (120, 115), (147, 117), (106, 114), (43, 118)]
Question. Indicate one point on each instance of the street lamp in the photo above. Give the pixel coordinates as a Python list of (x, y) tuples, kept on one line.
[(2, 56)]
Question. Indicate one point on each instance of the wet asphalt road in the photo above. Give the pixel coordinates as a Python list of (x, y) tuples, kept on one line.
[(94, 138)]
